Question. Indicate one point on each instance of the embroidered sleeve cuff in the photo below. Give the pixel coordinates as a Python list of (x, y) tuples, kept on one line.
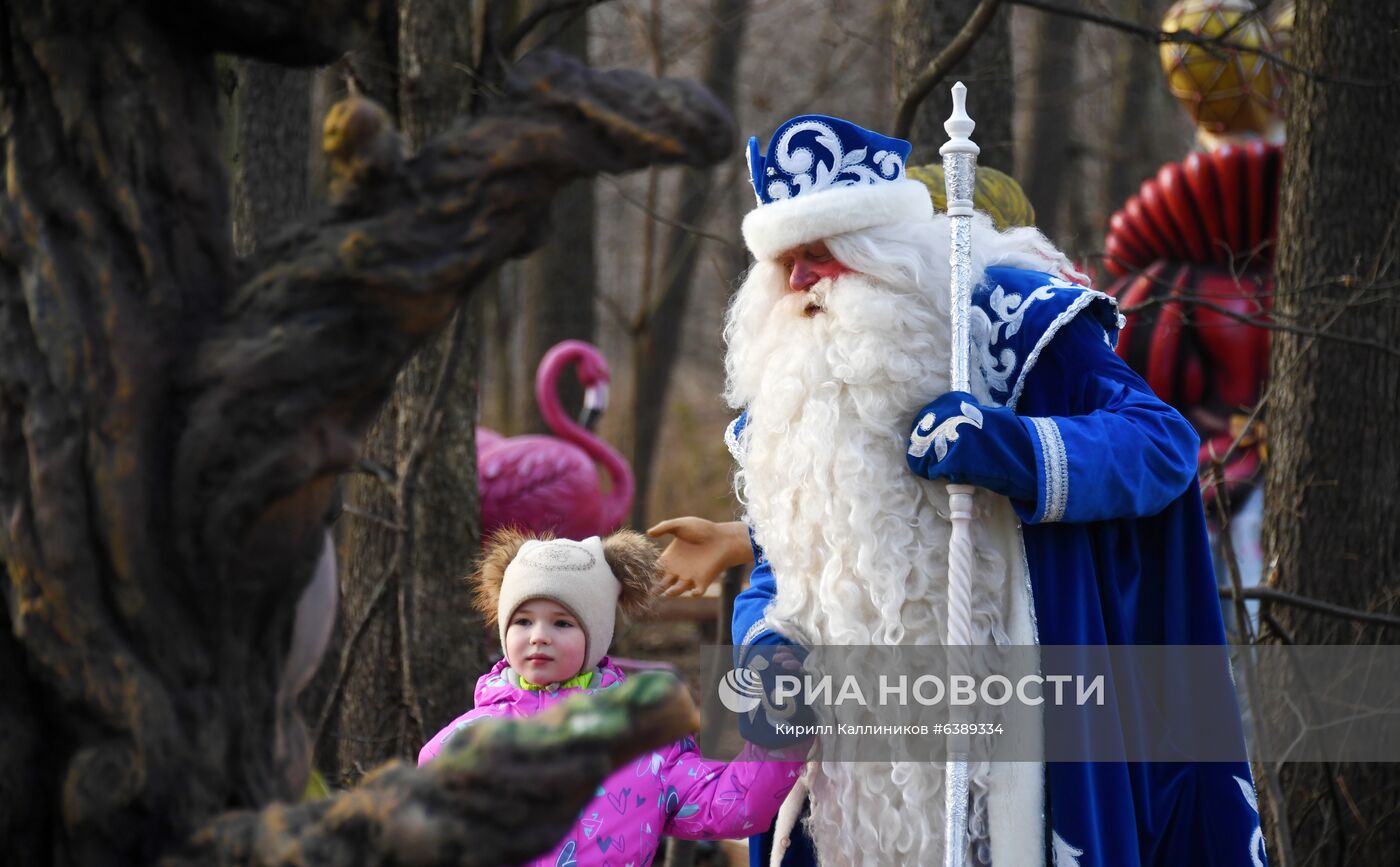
[(759, 627), (1052, 471), (759, 635)]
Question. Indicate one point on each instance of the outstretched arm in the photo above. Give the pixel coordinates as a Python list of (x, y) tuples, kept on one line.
[(1127, 455), (709, 800), (503, 791)]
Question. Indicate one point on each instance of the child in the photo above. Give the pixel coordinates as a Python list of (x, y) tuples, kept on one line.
[(554, 602)]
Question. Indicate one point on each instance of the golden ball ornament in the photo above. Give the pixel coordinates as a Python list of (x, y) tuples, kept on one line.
[(1224, 79)]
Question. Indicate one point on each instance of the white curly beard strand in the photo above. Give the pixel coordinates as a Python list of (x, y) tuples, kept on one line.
[(858, 544)]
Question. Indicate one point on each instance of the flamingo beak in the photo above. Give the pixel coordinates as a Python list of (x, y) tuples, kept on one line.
[(595, 403)]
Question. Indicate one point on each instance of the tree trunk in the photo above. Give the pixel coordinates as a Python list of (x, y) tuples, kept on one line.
[(173, 422), (268, 135), (1128, 122), (658, 345), (560, 281), (1334, 467), (414, 533), (1143, 128), (1049, 95), (921, 29)]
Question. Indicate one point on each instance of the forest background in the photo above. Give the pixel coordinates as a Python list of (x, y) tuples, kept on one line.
[(205, 296)]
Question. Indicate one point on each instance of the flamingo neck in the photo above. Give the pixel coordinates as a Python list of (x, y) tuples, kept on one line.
[(619, 498)]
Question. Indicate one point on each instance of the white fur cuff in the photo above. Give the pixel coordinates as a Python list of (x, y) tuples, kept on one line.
[(778, 227)]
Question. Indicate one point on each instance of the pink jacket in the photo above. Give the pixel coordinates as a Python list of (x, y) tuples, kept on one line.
[(671, 791)]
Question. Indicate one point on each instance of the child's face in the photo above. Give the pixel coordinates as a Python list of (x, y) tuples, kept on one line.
[(544, 642)]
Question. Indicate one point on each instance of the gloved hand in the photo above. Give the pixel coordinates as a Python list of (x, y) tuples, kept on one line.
[(957, 439)]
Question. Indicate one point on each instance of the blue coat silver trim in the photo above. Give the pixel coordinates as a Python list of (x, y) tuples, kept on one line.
[(1015, 315), (1054, 491), (1125, 560)]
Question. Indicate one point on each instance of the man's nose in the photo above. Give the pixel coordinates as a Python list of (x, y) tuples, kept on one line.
[(803, 276)]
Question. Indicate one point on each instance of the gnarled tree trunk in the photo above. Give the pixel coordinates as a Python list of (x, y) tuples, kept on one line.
[(173, 420)]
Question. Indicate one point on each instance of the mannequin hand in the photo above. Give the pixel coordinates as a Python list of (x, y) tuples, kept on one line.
[(700, 552)]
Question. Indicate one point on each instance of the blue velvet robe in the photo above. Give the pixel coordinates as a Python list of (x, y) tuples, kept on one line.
[(1117, 552)]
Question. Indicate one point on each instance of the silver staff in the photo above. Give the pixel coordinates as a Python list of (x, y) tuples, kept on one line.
[(959, 178)]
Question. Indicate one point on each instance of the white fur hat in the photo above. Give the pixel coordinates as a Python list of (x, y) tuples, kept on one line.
[(591, 578), (574, 574), (824, 176)]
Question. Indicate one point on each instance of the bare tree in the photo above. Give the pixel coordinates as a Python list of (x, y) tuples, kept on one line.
[(658, 326), (1145, 127), (1329, 525), (1047, 95), (559, 280), (173, 421), (410, 645), (1096, 117), (921, 29)]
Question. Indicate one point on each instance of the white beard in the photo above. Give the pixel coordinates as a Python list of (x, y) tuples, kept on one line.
[(857, 542)]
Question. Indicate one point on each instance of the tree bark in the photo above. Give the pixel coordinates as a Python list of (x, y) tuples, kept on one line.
[(658, 345), (1143, 128), (1049, 96), (920, 29), (1333, 469), (268, 135), (560, 279), (1128, 122), (173, 420), (421, 644)]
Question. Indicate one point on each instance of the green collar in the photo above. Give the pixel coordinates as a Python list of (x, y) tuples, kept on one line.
[(579, 680)]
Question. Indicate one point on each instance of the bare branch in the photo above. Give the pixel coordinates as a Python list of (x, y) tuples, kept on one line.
[(1269, 390), (619, 311), (665, 220), (373, 518), (1158, 37), (1271, 324), (939, 67), (538, 16), (404, 554), (347, 651), (1270, 594), (1273, 792), (1221, 502)]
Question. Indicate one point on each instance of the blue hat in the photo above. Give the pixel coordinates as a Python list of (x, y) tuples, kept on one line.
[(825, 176)]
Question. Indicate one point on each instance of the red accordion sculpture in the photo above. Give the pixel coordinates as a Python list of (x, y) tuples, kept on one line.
[(1194, 254), (1194, 249)]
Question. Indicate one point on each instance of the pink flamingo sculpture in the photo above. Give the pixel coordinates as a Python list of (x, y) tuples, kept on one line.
[(541, 483)]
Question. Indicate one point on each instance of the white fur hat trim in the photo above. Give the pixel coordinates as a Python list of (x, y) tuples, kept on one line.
[(775, 228), (574, 574)]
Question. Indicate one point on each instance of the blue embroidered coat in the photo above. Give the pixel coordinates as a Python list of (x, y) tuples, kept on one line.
[(1117, 552)]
